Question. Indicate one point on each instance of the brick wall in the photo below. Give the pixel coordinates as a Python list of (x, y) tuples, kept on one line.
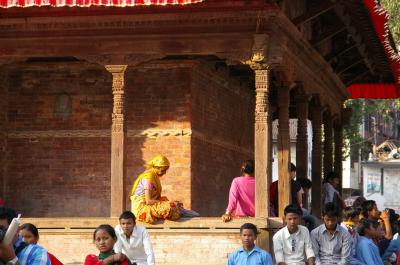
[(223, 126), (157, 117), (170, 248), (61, 154)]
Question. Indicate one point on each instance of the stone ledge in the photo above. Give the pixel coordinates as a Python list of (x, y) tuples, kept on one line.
[(206, 224)]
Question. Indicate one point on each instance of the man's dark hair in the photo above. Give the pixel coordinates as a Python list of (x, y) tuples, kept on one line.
[(330, 210), (358, 202), (249, 226), (106, 228), (305, 183), (332, 175), (365, 224), (31, 228), (292, 167), (367, 206), (248, 167), (350, 213), (7, 214), (291, 208), (127, 215)]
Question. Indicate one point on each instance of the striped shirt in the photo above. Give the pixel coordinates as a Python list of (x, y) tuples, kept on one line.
[(32, 255), (331, 249)]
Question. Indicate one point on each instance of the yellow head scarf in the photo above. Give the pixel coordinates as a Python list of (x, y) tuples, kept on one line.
[(158, 161)]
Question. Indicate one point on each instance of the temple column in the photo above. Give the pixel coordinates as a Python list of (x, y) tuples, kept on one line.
[(316, 191), (283, 149), (302, 136), (262, 140), (328, 146), (117, 140), (338, 166)]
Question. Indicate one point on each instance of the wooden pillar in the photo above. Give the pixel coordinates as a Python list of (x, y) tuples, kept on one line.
[(328, 143), (117, 141), (338, 167), (283, 149), (316, 191), (262, 140), (302, 136)]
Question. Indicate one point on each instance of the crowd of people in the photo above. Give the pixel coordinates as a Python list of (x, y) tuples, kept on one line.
[(358, 234)]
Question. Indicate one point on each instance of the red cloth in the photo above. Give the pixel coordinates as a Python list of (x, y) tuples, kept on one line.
[(94, 260), (54, 260), (87, 3), (380, 22), (1, 202)]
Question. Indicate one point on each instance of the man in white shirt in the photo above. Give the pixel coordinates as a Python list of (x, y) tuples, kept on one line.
[(292, 244), (133, 240)]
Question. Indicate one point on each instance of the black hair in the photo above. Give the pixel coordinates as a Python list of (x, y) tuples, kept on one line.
[(127, 215), (3, 232), (305, 183), (330, 210), (106, 228), (249, 226), (350, 213), (367, 206), (365, 224), (396, 227), (331, 175), (358, 202), (31, 228), (292, 167), (7, 213), (248, 167), (291, 208)]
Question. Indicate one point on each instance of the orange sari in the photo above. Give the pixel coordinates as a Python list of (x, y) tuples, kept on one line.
[(163, 209)]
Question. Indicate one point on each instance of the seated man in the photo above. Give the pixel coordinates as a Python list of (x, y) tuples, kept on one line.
[(249, 253), (331, 242), (19, 252), (133, 240), (292, 243), (330, 192), (366, 250)]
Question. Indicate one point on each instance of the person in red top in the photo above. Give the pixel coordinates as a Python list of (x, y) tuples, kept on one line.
[(2, 202), (104, 238), (30, 235)]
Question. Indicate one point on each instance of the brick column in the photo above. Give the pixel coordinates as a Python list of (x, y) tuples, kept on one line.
[(262, 140), (316, 112), (283, 149), (328, 146), (302, 136), (117, 141)]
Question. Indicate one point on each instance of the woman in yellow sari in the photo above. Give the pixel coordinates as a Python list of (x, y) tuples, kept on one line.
[(147, 203)]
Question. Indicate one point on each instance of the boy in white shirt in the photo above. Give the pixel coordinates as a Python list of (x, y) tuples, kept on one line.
[(133, 240), (292, 244)]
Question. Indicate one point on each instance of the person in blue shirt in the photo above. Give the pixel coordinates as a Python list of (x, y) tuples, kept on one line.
[(19, 253), (249, 254), (366, 250)]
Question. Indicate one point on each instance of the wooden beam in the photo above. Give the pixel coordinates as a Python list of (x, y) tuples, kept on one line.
[(117, 140), (358, 76), (347, 67), (333, 55), (314, 12), (338, 135), (328, 35), (262, 141), (284, 180), (302, 136), (316, 167), (328, 133)]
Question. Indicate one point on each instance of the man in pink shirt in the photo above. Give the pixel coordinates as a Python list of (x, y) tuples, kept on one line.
[(241, 194)]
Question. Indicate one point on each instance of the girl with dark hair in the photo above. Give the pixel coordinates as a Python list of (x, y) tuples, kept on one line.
[(30, 235), (104, 238), (241, 194)]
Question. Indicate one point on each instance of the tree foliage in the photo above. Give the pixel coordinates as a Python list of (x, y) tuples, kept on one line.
[(393, 9)]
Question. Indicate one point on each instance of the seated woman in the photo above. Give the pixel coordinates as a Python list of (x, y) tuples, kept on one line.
[(147, 203), (30, 235), (104, 238), (241, 194)]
